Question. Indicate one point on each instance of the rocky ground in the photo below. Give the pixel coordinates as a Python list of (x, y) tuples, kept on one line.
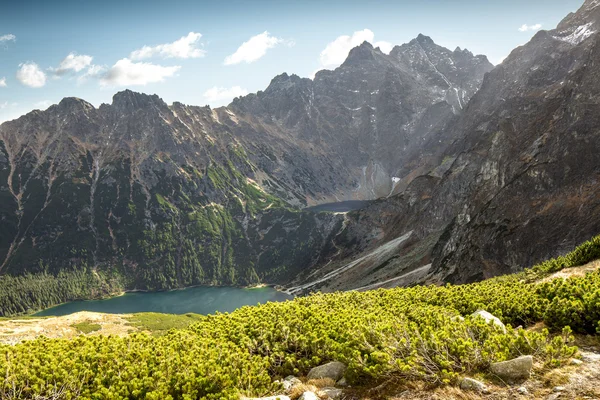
[(577, 380)]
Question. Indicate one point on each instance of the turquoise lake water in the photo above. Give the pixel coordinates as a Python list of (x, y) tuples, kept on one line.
[(200, 300)]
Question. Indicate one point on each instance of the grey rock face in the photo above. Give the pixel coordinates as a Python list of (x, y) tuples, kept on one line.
[(334, 370), (375, 117), (509, 197), (516, 188), (513, 370), (473, 385)]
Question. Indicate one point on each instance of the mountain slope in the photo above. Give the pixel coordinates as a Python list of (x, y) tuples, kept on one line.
[(130, 189), (516, 187), (375, 118)]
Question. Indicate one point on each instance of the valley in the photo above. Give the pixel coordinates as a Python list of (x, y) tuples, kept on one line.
[(409, 222)]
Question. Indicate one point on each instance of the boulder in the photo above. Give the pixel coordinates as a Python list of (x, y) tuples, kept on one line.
[(489, 318), (332, 393), (309, 396), (473, 385), (334, 370), (268, 398), (289, 382), (513, 370)]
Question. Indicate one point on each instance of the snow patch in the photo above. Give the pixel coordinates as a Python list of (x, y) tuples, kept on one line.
[(578, 35), (395, 182)]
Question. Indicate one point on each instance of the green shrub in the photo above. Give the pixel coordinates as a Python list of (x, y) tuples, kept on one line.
[(411, 333), (86, 327), (574, 302)]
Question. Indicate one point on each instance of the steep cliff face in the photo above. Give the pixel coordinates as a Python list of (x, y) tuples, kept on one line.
[(527, 172), (517, 187)]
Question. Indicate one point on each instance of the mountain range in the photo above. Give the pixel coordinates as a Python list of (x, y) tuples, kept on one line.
[(470, 171)]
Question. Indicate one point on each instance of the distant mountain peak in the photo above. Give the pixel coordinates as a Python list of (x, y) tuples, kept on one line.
[(75, 103), (587, 16), (422, 39), (364, 52), (128, 99), (284, 81)]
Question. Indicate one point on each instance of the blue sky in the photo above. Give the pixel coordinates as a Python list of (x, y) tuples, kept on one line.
[(193, 52)]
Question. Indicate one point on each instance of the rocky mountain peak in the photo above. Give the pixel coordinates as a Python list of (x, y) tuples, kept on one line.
[(284, 81), (74, 104), (359, 54), (579, 25), (424, 40), (130, 100)]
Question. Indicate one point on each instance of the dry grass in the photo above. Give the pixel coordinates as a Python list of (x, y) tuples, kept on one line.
[(321, 383), (574, 271), (16, 330), (556, 377)]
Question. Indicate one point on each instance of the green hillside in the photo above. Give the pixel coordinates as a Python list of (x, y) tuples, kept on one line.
[(403, 334)]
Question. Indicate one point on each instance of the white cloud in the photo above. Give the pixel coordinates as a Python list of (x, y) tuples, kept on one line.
[(335, 53), (221, 95), (255, 48), (385, 47), (93, 71), (525, 27), (3, 82), (125, 72), (30, 74), (7, 38), (73, 63), (186, 47)]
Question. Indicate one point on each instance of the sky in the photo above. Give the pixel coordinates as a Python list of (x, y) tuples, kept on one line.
[(203, 52)]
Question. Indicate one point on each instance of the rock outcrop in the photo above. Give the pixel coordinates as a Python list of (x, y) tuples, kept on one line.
[(334, 370), (489, 318), (513, 370)]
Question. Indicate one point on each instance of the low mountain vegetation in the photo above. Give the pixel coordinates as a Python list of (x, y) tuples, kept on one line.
[(424, 333)]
